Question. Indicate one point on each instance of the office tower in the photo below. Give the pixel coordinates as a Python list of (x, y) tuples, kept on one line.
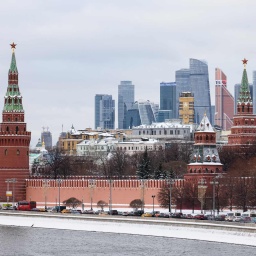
[(182, 80), (254, 91), (141, 112), (195, 80), (168, 97), (46, 137), (104, 111), (125, 101), (163, 115), (224, 102), (237, 92), (199, 82), (186, 108), (14, 140)]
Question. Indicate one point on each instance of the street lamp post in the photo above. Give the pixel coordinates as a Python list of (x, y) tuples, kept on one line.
[(171, 181), (153, 196), (201, 191), (213, 183), (110, 196), (92, 185), (142, 186), (59, 181)]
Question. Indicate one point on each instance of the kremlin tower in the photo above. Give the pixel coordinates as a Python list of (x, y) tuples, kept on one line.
[(243, 131), (14, 141), (205, 162)]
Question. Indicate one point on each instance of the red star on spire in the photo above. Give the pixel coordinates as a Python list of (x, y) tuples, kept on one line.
[(13, 45), (244, 61)]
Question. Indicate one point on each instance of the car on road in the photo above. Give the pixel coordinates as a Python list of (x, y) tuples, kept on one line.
[(200, 217), (147, 214), (163, 215), (66, 211), (177, 215), (74, 211), (220, 217), (236, 219), (245, 220), (90, 212)]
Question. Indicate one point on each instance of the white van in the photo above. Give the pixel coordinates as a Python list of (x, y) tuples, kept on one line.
[(231, 215)]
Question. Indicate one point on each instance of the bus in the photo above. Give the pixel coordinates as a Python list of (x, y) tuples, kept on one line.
[(26, 205)]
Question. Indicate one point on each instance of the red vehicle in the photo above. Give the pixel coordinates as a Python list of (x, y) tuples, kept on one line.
[(26, 205)]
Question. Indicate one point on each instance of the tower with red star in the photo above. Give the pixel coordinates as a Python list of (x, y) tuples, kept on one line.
[(243, 131), (14, 140)]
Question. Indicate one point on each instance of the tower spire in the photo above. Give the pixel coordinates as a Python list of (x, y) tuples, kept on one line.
[(13, 98), (244, 103), (13, 66)]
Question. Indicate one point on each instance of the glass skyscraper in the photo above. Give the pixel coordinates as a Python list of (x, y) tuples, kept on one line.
[(195, 80), (182, 78), (125, 101), (224, 102), (168, 97), (104, 111), (142, 112), (199, 82)]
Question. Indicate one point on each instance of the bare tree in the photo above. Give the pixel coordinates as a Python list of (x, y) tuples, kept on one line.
[(102, 204), (136, 204), (72, 202)]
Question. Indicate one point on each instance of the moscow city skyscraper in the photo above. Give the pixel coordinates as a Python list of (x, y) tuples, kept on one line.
[(104, 111), (125, 101), (224, 102), (182, 78), (167, 95), (195, 80)]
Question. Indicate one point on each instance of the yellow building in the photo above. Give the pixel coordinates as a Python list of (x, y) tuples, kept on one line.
[(186, 107), (68, 140)]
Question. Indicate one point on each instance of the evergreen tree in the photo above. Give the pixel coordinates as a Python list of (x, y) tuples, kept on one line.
[(159, 173), (144, 168)]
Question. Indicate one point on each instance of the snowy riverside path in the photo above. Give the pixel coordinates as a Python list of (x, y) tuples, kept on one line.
[(216, 232)]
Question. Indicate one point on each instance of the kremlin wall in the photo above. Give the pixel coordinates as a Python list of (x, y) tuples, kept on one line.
[(122, 191)]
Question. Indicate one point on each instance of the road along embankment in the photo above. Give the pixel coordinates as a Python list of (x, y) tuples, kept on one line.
[(28, 217), (189, 229)]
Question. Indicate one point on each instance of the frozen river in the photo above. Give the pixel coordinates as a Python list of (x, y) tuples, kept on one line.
[(51, 235), (41, 241)]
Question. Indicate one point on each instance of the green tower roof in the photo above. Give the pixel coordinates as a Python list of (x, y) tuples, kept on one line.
[(13, 98), (13, 67), (244, 95)]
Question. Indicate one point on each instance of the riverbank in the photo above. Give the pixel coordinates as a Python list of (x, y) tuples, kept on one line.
[(244, 235)]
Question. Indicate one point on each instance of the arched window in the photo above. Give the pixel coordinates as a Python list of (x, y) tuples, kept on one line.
[(6, 152), (17, 129), (7, 128), (18, 152)]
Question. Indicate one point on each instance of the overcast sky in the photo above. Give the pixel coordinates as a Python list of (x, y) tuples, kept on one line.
[(68, 51)]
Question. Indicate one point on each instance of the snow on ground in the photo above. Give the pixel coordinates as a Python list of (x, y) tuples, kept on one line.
[(244, 238)]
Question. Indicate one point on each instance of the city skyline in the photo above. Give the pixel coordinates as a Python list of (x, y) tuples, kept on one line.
[(67, 53)]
